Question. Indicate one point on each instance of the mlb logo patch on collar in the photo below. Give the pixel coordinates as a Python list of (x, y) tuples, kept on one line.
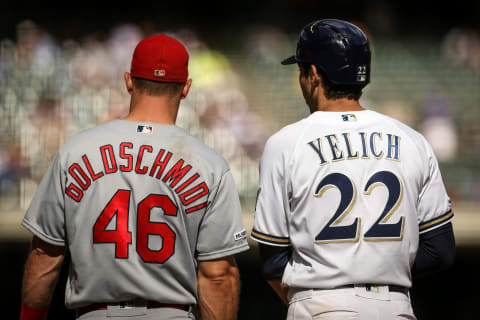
[(144, 129), (349, 117)]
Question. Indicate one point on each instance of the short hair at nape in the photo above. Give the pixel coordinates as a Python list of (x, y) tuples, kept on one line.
[(334, 91), (157, 88)]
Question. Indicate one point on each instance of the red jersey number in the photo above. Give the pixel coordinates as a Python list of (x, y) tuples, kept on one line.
[(118, 207), (145, 227)]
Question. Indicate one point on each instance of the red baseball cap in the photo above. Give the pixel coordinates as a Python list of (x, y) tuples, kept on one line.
[(160, 58)]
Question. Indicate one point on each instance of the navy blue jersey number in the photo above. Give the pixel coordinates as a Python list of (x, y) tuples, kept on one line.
[(381, 229), (332, 232)]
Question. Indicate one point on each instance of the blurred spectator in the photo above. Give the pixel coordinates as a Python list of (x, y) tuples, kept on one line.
[(462, 47), (400, 110), (11, 172), (439, 129), (51, 89)]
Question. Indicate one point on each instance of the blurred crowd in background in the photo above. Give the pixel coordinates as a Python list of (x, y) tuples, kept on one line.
[(51, 89)]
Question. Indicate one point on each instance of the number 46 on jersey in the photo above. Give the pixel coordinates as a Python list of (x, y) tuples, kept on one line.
[(119, 206)]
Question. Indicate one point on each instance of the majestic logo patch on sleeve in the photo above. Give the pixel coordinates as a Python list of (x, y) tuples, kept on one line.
[(144, 129), (240, 235)]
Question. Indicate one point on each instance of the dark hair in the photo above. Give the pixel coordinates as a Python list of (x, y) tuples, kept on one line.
[(334, 91), (156, 88)]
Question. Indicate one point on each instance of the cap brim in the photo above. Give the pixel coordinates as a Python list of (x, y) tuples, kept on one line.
[(290, 60)]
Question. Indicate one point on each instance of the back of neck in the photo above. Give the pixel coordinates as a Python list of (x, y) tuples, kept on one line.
[(339, 105), (154, 109)]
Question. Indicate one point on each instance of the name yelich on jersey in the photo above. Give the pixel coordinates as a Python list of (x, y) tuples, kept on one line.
[(338, 147)]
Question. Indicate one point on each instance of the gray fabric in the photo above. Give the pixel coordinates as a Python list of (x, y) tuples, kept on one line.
[(139, 314), (192, 208)]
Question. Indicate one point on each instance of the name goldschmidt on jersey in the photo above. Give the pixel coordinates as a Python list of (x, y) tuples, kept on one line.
[(121, 159)]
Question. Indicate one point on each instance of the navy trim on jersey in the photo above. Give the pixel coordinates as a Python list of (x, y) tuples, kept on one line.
[(431, 224), (436, 251), (274, 259), (266, 238)]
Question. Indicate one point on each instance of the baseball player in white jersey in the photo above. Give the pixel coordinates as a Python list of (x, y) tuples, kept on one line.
[(150, 215), (351, 203)]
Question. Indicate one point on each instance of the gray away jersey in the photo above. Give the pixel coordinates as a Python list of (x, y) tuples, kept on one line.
[(137, 205), (350, 192)]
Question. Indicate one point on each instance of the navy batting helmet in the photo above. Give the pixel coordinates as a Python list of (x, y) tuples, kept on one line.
[(339, 48)]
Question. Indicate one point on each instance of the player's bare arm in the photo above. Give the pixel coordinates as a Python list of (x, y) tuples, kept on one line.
[(218, 288), (41, 273)]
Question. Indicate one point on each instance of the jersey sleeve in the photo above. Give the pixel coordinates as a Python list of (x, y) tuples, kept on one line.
[(271, 210), (222, 232), (434, 208), (45, 217)]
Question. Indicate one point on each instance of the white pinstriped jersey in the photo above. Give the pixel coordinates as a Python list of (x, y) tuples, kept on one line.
[(137, 205), (350, 192)]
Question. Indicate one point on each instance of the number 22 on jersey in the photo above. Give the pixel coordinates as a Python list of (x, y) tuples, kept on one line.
[(381, 229), (119, 206)]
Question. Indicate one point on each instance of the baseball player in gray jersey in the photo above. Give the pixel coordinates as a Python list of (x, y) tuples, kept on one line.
[(150, 215), (351, 203)]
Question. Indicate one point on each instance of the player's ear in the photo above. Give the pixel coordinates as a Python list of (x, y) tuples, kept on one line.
[(186, 89), (314, 75), (128, 82)]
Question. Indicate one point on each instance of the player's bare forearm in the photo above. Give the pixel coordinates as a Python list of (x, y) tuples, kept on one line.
[(280, 289), (41, 274), (218, 289)]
